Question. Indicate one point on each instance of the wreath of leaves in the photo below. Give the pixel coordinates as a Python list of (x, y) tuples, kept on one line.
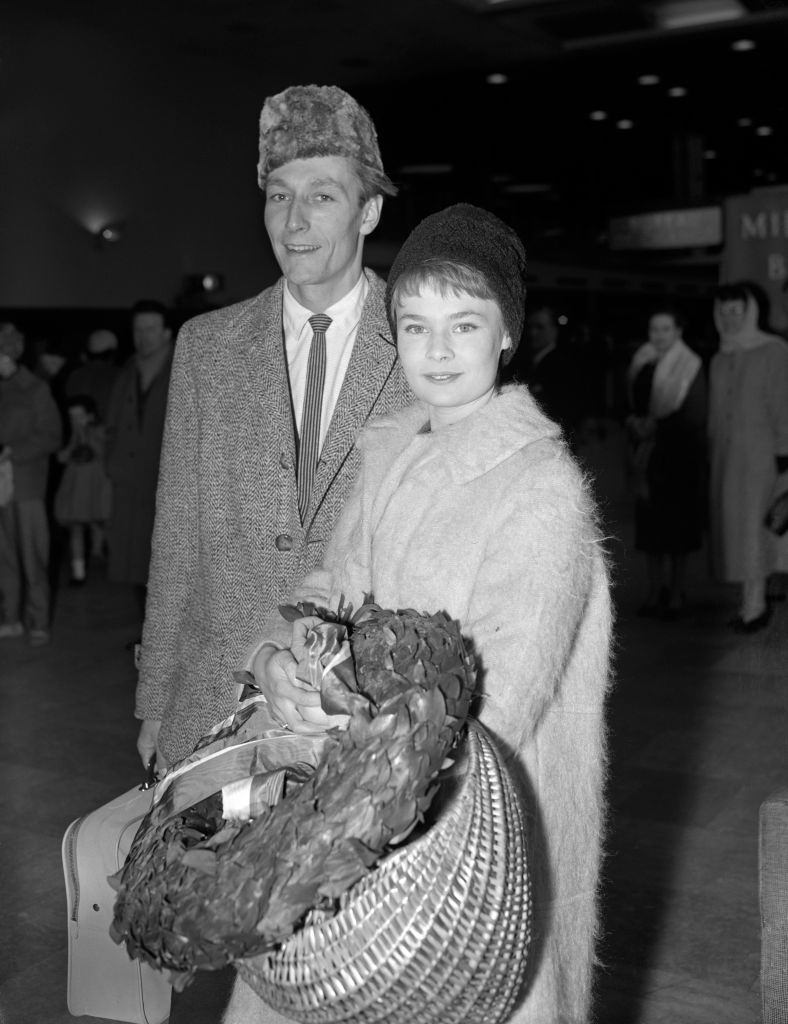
[(197, 893)]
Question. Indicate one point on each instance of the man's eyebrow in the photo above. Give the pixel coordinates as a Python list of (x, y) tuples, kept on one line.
[(314, 183)]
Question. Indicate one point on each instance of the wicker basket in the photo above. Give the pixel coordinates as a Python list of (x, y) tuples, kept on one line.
[(437, 934)]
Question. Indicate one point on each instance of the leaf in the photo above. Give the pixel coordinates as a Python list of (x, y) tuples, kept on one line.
[(196, 894)]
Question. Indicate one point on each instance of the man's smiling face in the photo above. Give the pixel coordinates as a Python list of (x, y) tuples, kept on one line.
[(317, 222)]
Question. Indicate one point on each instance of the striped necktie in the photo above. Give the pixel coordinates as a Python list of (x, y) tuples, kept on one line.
[(309, 440)]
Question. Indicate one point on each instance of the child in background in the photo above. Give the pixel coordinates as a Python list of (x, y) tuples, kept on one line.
[(83, 499)]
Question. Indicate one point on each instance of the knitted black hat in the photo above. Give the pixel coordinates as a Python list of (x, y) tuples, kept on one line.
[(477, 239)]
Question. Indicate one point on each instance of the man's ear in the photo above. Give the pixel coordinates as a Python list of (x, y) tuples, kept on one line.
[(506, 342), (370, 215)]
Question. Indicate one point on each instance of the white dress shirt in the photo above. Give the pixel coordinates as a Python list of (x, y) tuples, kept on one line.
[(340, 336)]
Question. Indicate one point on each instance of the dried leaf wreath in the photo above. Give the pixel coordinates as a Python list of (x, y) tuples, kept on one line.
[(197, 892)]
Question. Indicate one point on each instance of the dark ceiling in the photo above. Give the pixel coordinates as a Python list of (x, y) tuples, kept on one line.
[(526, 147)]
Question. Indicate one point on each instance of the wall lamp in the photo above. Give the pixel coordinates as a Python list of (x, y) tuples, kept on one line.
[(110, 233)]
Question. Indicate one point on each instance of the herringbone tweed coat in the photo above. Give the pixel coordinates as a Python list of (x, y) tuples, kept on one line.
[(228, 544)]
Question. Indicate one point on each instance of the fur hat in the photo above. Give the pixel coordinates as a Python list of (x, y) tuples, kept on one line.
[(12, 341), (477, 239), (319, 120)]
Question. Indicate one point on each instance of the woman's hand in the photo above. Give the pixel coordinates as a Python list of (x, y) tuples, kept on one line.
[(294, 703)]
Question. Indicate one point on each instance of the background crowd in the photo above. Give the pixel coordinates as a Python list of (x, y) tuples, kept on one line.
[(81, 431), (81, 441)]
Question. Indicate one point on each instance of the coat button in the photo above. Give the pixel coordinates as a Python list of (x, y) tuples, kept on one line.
[(284, 542), (284, 460)]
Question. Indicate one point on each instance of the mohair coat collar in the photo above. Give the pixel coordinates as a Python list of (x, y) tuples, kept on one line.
[(474, 445)]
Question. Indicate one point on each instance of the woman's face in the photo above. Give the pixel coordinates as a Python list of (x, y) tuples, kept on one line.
[(450, 347), (731, 315), (663, 332)]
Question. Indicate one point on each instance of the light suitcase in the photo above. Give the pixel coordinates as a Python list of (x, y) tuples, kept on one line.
[(102, 980)]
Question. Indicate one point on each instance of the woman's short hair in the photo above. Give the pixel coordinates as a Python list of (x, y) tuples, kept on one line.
[(447, 277), (743, 291)]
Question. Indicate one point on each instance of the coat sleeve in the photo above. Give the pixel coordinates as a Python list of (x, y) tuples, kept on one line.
[(175, 539), (542, 568), (777, 397)]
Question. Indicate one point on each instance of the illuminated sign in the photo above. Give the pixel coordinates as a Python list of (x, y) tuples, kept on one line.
[(668, 229)]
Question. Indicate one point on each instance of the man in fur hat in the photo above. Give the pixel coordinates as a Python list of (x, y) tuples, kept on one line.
[(258, 454)]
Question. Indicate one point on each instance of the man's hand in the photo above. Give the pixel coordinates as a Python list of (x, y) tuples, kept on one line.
[(147, 744), (294, 703)]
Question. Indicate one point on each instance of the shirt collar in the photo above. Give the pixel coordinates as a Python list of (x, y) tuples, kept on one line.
[(346, 310)]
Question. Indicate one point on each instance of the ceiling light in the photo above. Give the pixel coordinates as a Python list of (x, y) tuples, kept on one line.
[(686, 13), (744, 122), (625, 124), (496, 78), (598, 115), (677, 91), (742, 45), (648, 80), (764, 129)]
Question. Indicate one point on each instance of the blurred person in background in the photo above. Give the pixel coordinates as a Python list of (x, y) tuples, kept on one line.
[(748, 431), (135, 425), (667, 430), (84, 497), (30, 431), (552, 376), (98, 372), (53, 365)]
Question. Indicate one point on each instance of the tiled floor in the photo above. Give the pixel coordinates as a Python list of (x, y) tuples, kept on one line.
[(698, 739)]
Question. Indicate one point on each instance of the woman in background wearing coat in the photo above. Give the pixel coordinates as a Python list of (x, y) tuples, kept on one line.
[(667, 435), (470, 501), (748, 431)]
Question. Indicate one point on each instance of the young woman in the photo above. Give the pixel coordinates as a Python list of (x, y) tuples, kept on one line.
[(469, 501), (667, 434), (748, 432)]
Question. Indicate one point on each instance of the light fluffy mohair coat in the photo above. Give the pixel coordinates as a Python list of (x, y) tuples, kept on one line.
[(491, 520)]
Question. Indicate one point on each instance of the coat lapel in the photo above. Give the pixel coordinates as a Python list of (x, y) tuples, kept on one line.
[(266, 368), (371, 364)]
